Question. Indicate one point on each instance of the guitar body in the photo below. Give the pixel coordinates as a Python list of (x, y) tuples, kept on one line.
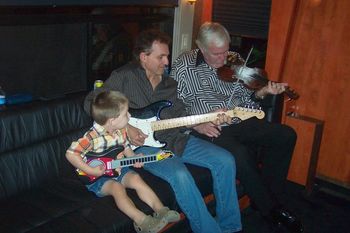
[(97, 159), (95, 162), (145, 126), (150, 110), (142, 119)]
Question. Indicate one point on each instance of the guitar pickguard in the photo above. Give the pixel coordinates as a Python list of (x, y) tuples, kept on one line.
[(145, 126), (142, 119)]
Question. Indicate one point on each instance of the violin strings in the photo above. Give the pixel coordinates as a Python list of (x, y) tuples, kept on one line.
[(239, 73)]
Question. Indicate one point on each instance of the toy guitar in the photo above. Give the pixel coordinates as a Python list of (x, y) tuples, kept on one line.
[(108, 161), (147, 119)]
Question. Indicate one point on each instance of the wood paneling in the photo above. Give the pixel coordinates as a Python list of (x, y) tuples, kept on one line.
[(279, 30), (303, 166), (202, 13), (312, 55)]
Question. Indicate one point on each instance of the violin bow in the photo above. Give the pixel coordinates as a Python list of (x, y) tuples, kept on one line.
[(240, 71)]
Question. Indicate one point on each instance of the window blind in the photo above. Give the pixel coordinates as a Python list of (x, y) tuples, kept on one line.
[(249, 18)]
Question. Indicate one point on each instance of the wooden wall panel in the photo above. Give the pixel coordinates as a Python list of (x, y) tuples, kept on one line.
[(316, 63), (303, 166), (298, 169), (279, 30), (202, 13)]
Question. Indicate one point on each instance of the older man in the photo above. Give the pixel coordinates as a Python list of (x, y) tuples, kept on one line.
[(203, 91)]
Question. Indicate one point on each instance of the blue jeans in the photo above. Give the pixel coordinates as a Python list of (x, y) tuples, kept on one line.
[(97, 185), (223, 169)]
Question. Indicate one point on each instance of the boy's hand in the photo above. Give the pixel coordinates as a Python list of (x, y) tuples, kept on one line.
[(118, 170), (97, 171), (138, 164)]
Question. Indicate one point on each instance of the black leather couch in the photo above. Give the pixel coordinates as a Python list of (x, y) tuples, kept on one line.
[(39, 190)]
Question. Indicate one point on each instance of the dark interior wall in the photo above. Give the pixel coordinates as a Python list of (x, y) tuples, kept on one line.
[(87, 3), (248, 18), (49, 51), (44, 60)]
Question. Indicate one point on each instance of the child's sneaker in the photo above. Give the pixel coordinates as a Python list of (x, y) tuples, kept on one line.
[(167, 214), (150, 225)]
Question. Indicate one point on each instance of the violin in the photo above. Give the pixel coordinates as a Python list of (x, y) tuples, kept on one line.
[(252, 78)]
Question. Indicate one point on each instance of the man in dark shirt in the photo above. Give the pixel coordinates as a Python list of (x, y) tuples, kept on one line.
[(144, 83), (202, 91)]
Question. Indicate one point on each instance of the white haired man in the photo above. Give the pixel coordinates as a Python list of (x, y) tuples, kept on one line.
[(203, 91)]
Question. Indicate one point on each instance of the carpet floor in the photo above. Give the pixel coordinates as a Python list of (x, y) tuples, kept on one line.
[(320, 213)]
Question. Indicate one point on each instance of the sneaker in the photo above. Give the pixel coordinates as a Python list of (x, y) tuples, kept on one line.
[(167, 214), (150, 225)]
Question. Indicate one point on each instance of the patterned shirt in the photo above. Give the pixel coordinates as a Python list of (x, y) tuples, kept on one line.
[(98, 140), (201, 89)]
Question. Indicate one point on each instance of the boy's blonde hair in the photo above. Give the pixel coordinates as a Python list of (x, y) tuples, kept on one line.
[(106, 105)]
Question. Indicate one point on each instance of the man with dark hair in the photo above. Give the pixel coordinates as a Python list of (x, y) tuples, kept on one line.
[(143, 82)]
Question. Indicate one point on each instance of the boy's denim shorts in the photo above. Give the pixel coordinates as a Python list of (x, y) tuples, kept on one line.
[(97, 185)]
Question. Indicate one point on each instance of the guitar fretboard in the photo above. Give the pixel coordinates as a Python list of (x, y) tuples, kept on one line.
[(242, 113), (187, 120)]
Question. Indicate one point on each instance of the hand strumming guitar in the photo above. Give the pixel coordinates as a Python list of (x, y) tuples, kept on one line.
[(136, 136)]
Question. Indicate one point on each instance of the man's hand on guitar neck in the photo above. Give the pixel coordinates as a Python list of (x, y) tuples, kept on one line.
[(136, 136), (213, 129)]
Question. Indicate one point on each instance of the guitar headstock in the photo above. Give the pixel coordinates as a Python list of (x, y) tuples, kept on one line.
[(164, 154), (245, 113)]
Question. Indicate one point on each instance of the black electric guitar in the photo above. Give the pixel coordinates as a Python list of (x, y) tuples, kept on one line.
[(108, 161), (148, 119)]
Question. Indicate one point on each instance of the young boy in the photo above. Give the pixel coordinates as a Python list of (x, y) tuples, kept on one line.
[(110, 113)]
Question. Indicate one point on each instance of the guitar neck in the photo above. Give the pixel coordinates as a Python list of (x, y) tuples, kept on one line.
[(188, 120), (183, 121), (126, 162), (239, 112)]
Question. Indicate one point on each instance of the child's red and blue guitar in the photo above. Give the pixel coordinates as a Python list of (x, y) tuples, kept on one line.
[(108, 161)]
